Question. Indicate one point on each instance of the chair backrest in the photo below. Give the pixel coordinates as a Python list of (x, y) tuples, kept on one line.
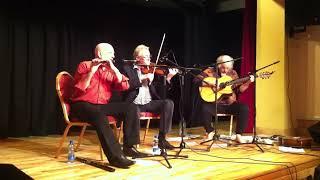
[(64, 87)]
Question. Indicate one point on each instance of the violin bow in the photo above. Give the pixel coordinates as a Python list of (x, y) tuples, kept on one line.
[(164, 36)]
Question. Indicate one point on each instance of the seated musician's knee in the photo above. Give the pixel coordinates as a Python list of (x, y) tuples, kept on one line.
[(132, 107), (97, 118), (169, 103)]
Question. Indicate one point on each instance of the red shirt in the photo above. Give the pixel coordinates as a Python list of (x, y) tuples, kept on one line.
[(101, 84)]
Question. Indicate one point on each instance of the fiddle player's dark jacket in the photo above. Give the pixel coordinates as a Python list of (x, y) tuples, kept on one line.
[(135, 84)]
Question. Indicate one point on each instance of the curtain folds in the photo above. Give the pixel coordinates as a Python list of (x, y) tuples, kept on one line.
[(37, 43), (249, 57)]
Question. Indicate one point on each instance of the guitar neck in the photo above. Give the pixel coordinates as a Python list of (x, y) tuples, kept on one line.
[(235, 81)]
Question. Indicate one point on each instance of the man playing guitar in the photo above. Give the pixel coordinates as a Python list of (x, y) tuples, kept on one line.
[(227, 103)]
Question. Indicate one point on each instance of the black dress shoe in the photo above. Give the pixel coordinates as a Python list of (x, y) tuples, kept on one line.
[(164, 144), (133, 152), (121, 162)]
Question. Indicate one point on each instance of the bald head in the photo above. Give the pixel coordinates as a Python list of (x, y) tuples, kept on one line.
[(104, 51)]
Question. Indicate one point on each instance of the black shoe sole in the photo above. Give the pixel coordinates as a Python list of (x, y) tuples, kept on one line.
[(119, 166), (124, 165)]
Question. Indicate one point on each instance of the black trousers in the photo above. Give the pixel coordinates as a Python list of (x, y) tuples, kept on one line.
[(96, 116), (164, 107), (239, 110)]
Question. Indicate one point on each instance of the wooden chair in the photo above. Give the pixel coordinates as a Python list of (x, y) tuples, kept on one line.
[(231, 121), (64, 87), (143, 116)]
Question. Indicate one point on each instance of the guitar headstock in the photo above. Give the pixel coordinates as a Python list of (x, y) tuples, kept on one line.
[(265, 74)]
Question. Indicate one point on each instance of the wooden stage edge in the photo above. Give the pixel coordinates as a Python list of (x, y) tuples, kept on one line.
[(35, 157)]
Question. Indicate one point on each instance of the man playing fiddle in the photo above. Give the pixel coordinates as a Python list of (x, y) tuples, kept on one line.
[(143, 93), (227, 103)]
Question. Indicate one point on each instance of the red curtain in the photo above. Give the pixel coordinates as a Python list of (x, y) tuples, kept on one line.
[(248, 62)]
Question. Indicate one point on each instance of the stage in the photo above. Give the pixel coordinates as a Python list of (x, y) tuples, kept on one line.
[(35, 157)]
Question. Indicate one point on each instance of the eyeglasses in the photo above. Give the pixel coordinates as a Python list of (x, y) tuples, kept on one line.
[(146, 57)]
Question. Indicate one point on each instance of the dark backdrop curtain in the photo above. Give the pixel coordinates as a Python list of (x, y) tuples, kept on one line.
[(5, 75), (38, 42), (224, 36), (197, 51), (249, 57)]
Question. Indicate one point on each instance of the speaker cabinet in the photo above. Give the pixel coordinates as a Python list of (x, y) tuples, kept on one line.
[(314, 131), (9, 171)]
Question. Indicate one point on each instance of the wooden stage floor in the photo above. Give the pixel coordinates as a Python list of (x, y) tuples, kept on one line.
[(35, 157)]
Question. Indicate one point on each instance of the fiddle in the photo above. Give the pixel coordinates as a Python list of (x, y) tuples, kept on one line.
[(153, 68)]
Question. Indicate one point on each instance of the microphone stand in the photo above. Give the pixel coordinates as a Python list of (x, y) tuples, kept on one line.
[(182, 120), (255, 138), (182, 74)]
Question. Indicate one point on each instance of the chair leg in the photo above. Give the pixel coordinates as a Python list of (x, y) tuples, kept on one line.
[(146, 131), (101, 152), (231, 123), (65, 133), (119, 132), (80, 138), (114, 129)]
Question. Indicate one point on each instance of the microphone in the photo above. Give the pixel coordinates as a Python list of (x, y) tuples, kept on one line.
[(163, 59), (104, 61), (129, 60)]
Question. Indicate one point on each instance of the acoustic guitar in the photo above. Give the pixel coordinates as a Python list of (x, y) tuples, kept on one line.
[(207, 92)]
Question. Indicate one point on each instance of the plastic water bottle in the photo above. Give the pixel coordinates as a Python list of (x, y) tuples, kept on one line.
[(71, 156), (155, 147)]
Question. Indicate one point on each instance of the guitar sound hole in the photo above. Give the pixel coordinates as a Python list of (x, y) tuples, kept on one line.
[(222, 85)]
